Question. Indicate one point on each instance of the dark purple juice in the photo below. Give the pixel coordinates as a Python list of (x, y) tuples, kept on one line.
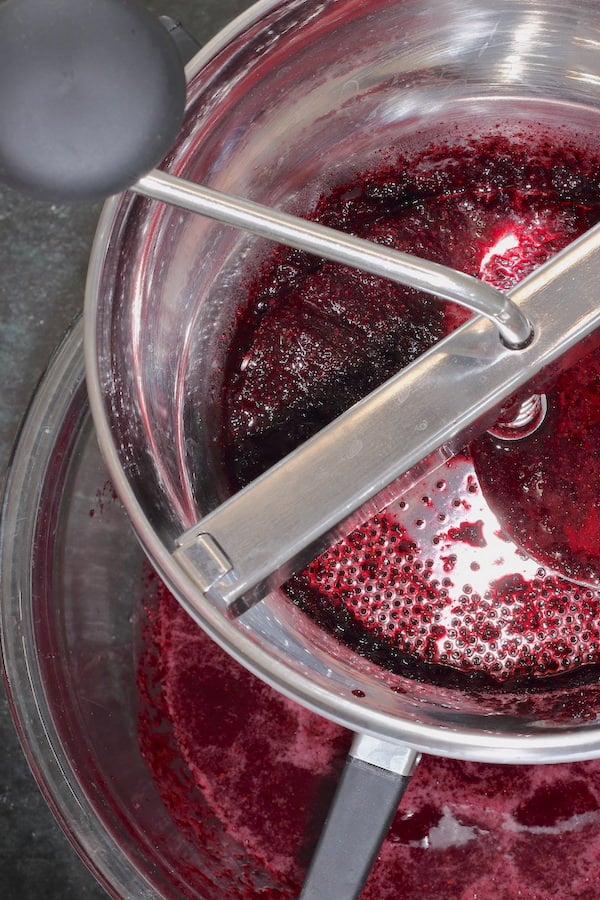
[(315, 337)]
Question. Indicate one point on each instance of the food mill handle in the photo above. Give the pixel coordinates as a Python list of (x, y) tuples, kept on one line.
[(374, 779), (403, 268)]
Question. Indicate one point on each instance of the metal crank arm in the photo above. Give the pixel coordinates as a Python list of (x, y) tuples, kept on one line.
[(419, 418)]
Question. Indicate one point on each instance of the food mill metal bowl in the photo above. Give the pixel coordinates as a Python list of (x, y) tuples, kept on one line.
[(293, 98)]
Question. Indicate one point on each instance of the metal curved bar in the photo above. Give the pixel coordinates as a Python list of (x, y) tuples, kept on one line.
[(425, 413), (441, 281)]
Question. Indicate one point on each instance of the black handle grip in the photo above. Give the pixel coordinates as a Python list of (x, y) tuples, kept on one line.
[(361, 813), (92, 94)]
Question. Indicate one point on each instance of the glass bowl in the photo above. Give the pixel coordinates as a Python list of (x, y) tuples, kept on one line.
[(75, 584)]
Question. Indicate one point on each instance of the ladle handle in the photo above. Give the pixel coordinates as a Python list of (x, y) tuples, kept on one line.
[(403, 268), (187, 45), (374, 779), (92, 96)]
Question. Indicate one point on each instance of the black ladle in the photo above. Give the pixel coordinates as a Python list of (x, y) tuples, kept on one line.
[(92, 95)]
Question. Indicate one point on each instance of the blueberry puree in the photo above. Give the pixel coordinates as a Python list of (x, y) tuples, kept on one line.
[(247, 776), (315, 337)]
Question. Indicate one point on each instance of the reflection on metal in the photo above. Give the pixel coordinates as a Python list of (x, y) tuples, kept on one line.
[(524, 421)]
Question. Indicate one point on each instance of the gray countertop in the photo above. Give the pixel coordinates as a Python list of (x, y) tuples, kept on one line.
[(43, 258)]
